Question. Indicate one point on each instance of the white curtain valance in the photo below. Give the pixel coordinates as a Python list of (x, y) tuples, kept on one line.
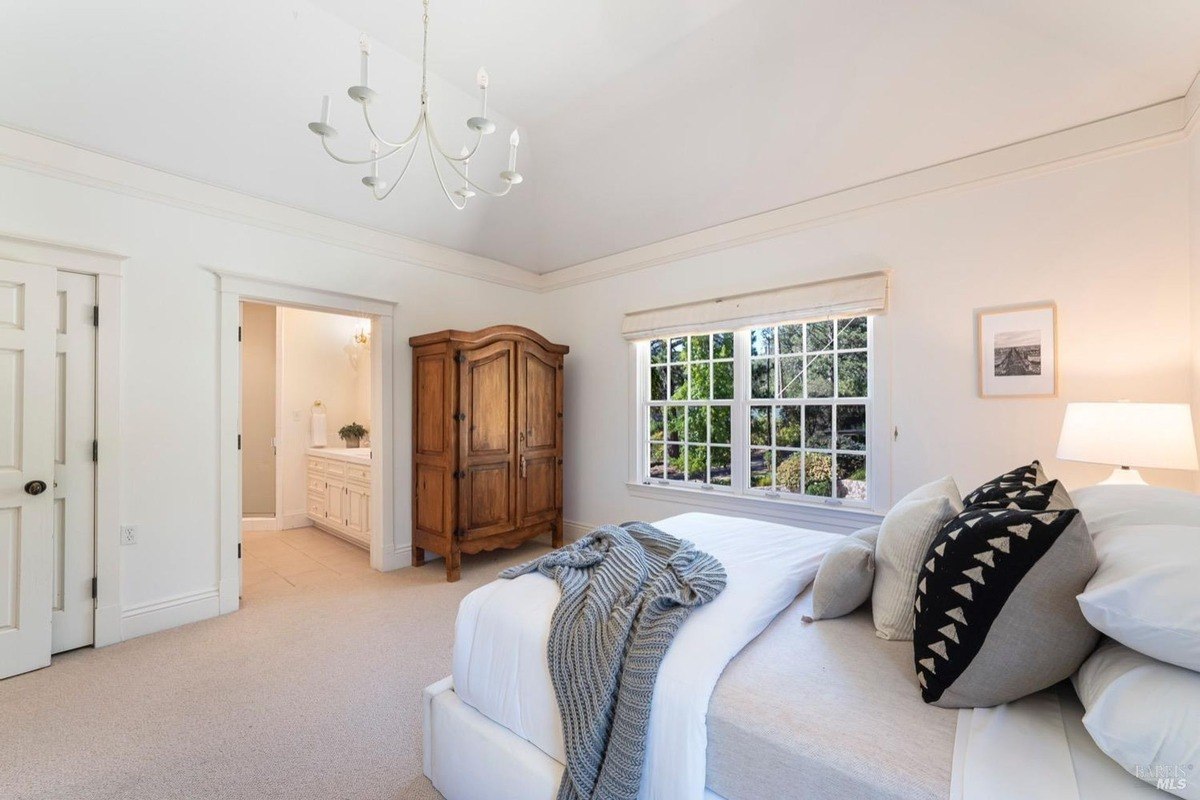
[(853, 296)]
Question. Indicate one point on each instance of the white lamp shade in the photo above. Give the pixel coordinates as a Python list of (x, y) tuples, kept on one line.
[(1156, 435)]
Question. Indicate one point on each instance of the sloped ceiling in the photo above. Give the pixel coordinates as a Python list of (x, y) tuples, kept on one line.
[(640, 121)]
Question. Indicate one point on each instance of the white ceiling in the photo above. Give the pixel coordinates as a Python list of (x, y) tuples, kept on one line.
[(640, 120)]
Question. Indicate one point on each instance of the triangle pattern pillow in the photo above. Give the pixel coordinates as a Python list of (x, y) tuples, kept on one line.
[(996, 615), (1028, 476), (1052, 495)]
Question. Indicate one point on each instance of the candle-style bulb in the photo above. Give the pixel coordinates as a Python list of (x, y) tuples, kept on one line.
[(325, 110), (481, 78), (364, 44), (513, 141)]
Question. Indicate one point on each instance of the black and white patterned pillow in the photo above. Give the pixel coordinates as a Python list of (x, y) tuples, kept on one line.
[(1028, 476), (996, 615), (1048, 496)]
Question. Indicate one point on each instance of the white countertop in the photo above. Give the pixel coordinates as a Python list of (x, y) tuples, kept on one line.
[(356, 455)]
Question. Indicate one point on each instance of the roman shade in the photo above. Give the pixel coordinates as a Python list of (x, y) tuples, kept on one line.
[(852, 296)]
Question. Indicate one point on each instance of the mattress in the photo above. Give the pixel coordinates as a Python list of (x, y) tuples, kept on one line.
[(503, 628), (830, 707)]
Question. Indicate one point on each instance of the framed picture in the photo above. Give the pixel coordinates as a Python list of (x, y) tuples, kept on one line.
[(1018, 351)]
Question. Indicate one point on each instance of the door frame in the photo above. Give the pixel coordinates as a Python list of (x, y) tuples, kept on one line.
[(237, 287), (107, 268)]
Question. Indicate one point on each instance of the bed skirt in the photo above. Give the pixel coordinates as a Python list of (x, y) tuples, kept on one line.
[(470, 757)]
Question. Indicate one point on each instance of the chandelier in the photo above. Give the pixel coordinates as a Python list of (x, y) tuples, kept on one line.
[(382, 148)]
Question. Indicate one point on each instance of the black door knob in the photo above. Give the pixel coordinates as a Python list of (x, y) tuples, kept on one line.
[(35, 487)]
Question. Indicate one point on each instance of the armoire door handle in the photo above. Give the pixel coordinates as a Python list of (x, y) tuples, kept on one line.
[(523, 462)]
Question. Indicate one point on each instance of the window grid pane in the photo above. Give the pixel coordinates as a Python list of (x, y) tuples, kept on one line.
[(689, 409), (804, 437)]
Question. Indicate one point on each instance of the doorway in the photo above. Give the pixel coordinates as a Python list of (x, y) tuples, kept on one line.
[(48, 450), (320, 482), (306, 444)]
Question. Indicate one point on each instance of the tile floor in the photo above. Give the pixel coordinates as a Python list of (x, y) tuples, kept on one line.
[(287, 561)]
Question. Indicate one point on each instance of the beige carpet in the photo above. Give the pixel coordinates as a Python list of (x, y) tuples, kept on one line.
[(311, 690)]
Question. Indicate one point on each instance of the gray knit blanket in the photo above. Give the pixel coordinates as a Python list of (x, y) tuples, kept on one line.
[(625, 591)]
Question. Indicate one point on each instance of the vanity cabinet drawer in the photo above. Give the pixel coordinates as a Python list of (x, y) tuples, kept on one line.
[(316, 485), (316, 465), (335, 468), (358, 472), (316, 506)]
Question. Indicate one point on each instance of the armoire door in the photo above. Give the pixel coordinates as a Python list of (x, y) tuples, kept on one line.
[(539, 433), (487, 499), (28, 315)]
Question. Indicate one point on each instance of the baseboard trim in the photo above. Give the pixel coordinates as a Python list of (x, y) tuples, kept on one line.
[(573, 531), (260, 523), (170, 613), (290, 522)]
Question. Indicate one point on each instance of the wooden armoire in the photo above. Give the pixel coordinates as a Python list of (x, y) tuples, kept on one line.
[(487, 441)]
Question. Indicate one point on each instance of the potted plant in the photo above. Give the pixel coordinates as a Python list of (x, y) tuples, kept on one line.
[(352, 434)]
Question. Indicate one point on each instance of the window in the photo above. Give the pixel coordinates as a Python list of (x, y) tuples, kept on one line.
[(780, 411), (690, 409)]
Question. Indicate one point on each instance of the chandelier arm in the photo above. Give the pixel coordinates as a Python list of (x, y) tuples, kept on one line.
[(411, 136), (355, 161), (400, 177), (438, 172), (453, 162)]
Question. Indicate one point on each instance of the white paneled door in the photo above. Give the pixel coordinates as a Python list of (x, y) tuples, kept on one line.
[(74, 513), (27, 389)]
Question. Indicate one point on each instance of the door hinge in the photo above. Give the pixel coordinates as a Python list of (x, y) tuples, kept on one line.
[(95, 587), (239, 333), (96, 316), (239, 441), (239, 549), (459, 474), (460, 417), (95, 450), (460, 533), (460, 358)]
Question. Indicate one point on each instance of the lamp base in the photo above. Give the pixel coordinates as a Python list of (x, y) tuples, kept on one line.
[(1123, 476)]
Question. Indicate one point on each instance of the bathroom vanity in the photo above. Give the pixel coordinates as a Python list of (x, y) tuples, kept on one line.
[(339, 492)]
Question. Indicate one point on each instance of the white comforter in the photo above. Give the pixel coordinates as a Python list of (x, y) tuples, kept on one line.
[(502, 632)]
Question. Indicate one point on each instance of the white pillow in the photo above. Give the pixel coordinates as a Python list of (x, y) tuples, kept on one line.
[(1146, 591), (904, 538), (1145, 715)]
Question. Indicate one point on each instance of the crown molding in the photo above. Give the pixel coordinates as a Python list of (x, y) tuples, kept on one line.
[(1142, 128), (45, 156)]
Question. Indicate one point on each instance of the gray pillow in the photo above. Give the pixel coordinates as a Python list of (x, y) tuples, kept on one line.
[(904, 536), (845, 577), (997, 617)]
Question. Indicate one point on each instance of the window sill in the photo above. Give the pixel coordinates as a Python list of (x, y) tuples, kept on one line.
[(836, 519)]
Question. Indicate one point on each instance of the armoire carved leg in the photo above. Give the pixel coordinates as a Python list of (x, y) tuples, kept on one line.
[(453, 562), (556, 535), (418, 556)]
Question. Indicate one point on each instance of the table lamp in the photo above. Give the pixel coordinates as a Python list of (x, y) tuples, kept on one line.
[(1129, 435)]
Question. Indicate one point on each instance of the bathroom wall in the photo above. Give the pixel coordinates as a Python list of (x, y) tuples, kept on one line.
[(318, 364), (258, 409)]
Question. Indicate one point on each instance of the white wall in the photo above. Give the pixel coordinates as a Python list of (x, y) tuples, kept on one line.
[(1194, 241), (169, 412), (1106, 240), (258, 409), (316, 366)]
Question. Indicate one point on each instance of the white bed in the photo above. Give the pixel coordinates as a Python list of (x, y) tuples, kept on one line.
[(816, 711)]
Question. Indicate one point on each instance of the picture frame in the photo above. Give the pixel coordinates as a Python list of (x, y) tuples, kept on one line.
[(1018, 350)]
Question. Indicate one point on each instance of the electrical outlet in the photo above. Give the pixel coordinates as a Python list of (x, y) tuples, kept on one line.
[(128, 534)]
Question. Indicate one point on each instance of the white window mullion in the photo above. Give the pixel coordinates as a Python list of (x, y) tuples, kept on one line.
[(740, 415)]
